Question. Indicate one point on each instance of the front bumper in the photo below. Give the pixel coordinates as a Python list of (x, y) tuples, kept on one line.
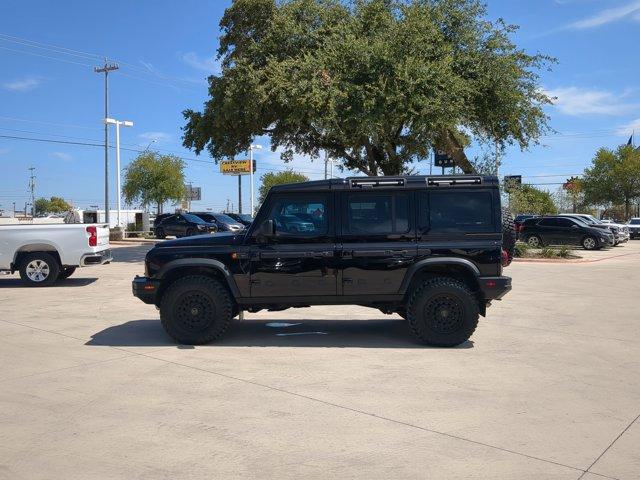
[(494, 288), (98, 258), (145, 289)]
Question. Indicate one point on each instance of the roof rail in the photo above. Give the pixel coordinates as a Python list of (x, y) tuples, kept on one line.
[(373, 183), (451, 181)]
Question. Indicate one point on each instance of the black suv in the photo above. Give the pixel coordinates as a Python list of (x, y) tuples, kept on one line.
[(427, 248), (183, 225), (562, 230)]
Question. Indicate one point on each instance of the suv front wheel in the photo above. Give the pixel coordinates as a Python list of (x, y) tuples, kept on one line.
[(442, 312), (196, 310)]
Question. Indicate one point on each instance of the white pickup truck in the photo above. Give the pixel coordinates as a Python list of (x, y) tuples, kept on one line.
[(47, 252)]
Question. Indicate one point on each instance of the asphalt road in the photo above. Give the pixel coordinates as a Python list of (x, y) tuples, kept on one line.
[(547, 388)]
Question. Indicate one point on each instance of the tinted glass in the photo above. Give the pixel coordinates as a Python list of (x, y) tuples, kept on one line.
[(460, 212), (221, 217), (300, 216), (565, 222), (549, 222), (192, 218), (635, 221), (377, 214)]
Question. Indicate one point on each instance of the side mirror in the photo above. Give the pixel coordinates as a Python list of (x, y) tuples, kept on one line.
[(266, 229)]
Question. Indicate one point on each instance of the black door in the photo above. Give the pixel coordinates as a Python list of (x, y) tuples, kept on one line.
[(378, 241), (569, 232), (550, 230), (300, 259)]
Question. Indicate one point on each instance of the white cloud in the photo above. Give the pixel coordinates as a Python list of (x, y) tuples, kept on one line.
[(629, 128), (22, 84), (206, 64), (62, 156), (578, 101), (159, 137), (607, 16)]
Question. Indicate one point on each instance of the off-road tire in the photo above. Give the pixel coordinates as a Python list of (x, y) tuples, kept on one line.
[(508, 234), (160, 233), (442, 312), (66, 272), (44, 261), (196, 309)]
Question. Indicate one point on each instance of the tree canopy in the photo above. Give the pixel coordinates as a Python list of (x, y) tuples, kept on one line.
[(270, 179), (613, 178), (154, 179), (52, 205), (529, 199), (374, 83)]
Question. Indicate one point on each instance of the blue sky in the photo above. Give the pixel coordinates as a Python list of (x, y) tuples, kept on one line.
[(166, 50)]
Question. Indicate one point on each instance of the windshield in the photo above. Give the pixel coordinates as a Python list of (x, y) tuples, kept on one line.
[(192, 218), (221, 217), (581, 221), (245, 216)]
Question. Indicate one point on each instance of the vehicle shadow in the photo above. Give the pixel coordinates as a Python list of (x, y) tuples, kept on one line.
[(384, 333), (69, 282), (133, 254)]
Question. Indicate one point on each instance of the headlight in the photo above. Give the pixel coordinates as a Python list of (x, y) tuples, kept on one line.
[(201, 227)]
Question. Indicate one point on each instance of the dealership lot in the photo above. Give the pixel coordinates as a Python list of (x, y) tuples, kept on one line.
[(547, 388)]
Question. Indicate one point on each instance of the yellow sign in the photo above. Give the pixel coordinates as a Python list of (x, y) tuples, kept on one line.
[(236, 167)]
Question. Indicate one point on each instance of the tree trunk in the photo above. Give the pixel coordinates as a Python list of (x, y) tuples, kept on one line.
[(627, 208), (159, 208)]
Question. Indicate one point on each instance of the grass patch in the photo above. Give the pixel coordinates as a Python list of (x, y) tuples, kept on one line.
[(523, 250)]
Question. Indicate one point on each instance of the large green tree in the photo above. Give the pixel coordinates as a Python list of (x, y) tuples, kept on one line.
[(375, 83), (529, 199), (154, 179), (270, 179), (613, 178), (52, 205)]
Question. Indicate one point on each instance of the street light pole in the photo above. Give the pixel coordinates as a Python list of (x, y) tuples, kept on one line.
[(117, 123), (252, 147)]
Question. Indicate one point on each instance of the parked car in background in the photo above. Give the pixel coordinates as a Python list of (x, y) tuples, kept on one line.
[(159, 218), (563, 230), (620, 232), (48, 252), (519, 220), (183, 225), (634, 228), (222, 221), (244, 218)]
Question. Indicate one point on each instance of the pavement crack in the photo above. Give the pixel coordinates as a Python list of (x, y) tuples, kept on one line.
[(608, 448)]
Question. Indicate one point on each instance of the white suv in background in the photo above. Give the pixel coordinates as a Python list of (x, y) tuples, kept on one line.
[(634, 227)]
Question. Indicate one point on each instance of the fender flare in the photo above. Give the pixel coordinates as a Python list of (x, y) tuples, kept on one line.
[(201, 262), (427, 262)]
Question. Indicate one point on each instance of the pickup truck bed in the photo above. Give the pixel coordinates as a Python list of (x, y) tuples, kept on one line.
[(42, 253)]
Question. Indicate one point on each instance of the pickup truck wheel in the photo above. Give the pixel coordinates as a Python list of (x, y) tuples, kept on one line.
[(39, 269), (442, 312), (196, 310), (66, 272)]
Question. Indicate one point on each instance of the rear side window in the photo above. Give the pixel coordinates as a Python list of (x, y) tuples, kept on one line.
[(377, 214), (458, 212)]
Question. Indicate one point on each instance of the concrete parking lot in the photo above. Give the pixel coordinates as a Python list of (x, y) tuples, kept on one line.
[(548, 387)]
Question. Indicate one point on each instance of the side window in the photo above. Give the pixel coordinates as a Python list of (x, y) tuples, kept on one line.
[(377, 214), (565, 222), (458, 211), (301, 215), (549, 222)]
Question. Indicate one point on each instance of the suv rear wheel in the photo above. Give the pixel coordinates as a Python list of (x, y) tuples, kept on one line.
[(196, 310), (442, 312), (508, 234)]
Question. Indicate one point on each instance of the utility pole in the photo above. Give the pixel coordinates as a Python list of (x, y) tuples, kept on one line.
[(106, 68), (326, 165), (32, 187), (240, 194)]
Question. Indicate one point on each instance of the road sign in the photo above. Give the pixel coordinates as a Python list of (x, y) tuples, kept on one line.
[(442, 159), (512, 181), (236, 167), (192, 194)]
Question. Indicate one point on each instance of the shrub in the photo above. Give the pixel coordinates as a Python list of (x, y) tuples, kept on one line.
[(521, 249)]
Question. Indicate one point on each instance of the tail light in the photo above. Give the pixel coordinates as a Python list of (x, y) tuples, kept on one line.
[(519, 227), (93, 236), (505, 258)]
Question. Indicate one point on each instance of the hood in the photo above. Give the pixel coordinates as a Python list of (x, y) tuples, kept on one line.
[(206, 239)]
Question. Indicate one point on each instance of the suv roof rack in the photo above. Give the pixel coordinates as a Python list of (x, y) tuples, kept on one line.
[(373, 182), (451, 181)]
